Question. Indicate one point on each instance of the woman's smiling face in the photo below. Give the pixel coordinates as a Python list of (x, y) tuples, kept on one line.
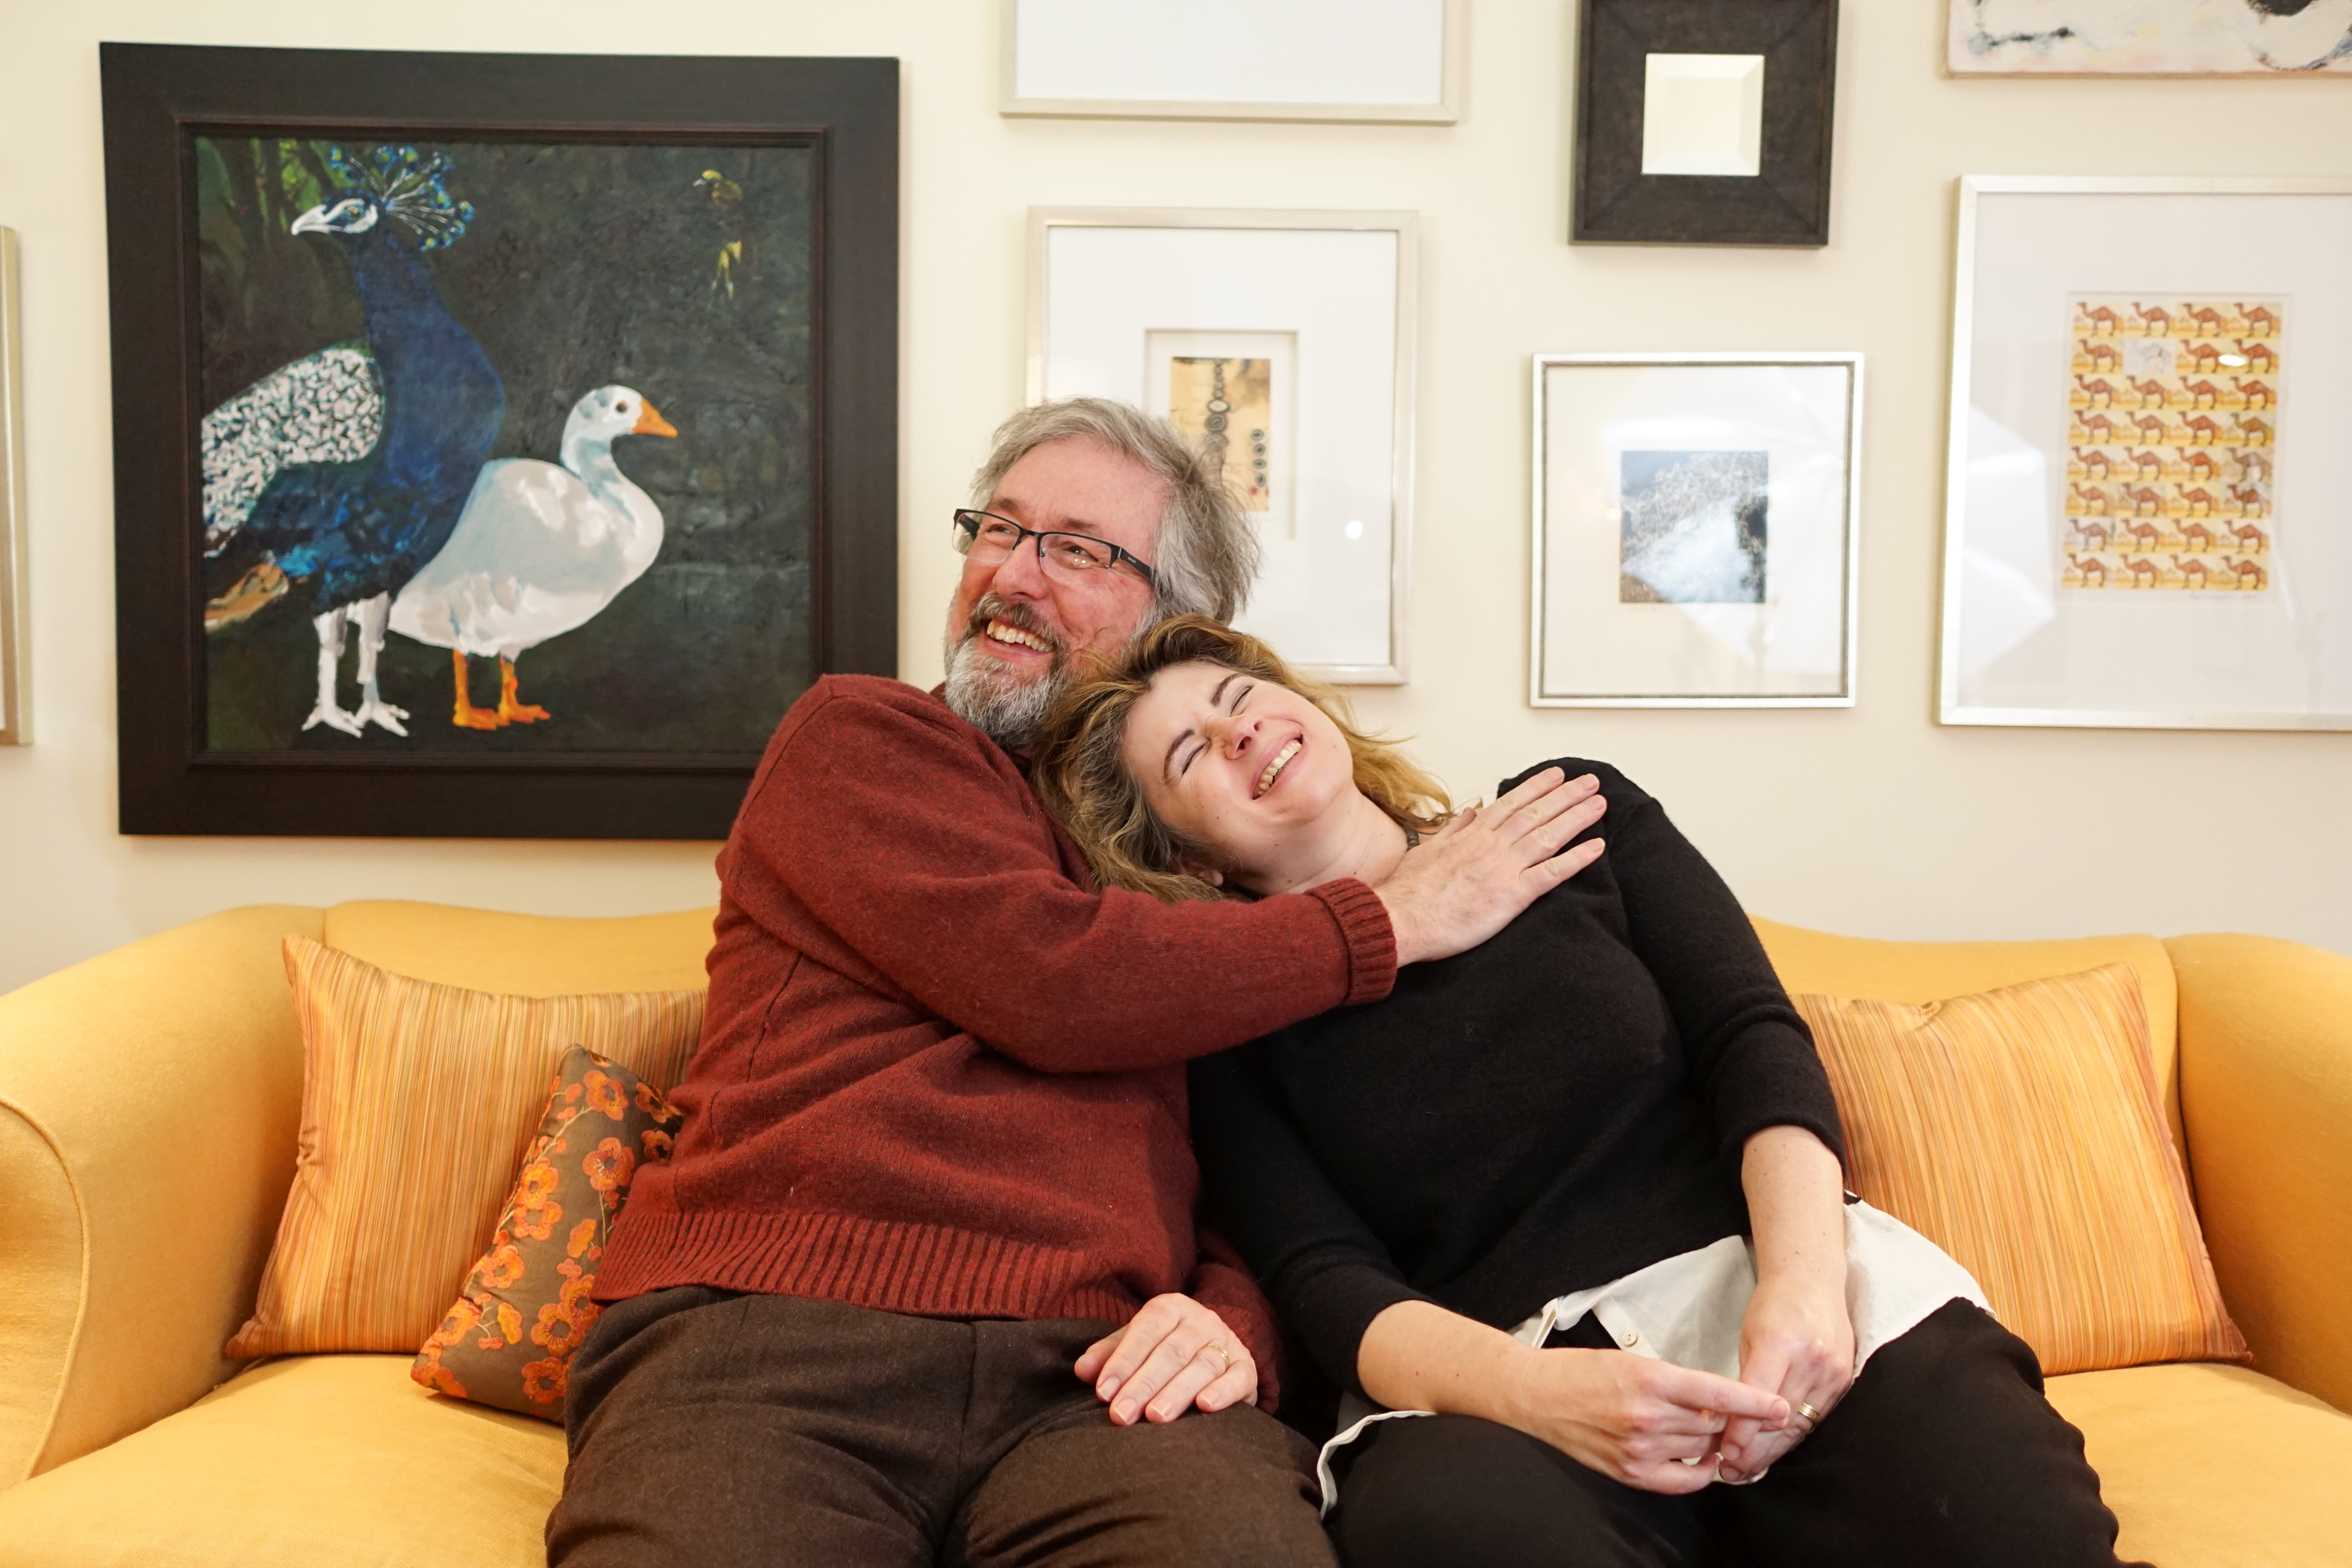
[(1235, 762)]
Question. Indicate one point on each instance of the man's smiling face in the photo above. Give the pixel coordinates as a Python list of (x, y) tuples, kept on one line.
[(1016, 633)]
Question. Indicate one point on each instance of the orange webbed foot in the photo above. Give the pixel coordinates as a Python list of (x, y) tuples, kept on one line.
[(466, 716), (512, 709)]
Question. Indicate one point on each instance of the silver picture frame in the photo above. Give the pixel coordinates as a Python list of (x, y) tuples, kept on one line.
[(15, 590), (1832, 557), (1446, 109), (2208, 666), (1344, 287)]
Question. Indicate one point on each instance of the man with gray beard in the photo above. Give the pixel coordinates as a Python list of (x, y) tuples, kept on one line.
[(920, 1282)]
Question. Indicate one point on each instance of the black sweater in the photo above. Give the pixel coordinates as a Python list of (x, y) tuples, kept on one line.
[(1551, 1110)]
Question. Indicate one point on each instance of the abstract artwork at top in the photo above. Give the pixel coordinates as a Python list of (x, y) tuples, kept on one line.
[(2148, 37), (482, 471)]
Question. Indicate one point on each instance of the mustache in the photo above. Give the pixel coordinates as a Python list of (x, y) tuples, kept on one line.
[(993, 608)]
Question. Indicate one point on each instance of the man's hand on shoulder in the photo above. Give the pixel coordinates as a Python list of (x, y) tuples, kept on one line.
[(1472, 877)]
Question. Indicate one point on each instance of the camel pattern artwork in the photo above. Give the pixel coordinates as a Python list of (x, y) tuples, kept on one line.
[(2172, 431)]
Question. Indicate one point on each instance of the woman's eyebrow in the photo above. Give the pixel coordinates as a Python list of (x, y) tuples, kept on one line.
[(1217, 693)]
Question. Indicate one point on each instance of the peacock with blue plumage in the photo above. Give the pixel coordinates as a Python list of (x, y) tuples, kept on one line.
[(350, 467)]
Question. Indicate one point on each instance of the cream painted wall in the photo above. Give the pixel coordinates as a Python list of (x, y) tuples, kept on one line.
[(1871, 820)]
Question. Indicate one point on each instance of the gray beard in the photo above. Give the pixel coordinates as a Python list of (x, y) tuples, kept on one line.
[(1008, 713)]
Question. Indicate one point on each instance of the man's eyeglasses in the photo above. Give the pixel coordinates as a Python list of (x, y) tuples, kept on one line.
[(990, 539)]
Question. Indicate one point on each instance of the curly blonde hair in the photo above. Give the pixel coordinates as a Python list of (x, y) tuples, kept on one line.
[(1083, 778)]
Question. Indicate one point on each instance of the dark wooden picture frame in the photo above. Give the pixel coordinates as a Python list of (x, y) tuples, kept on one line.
[(160, 101), (1787, 202)]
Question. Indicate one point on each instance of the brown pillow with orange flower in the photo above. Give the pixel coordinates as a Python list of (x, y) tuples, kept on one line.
[(524, 1307)]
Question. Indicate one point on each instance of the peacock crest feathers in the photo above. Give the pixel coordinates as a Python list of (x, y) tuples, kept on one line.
[(409, 185)]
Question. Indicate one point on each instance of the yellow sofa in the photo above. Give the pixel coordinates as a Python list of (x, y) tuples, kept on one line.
[(148, 1103)]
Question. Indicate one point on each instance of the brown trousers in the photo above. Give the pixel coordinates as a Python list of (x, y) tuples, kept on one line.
[(708, 1427)]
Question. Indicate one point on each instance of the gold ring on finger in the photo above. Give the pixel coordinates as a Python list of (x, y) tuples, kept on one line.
[(1809, 1413), (1223, 1354)]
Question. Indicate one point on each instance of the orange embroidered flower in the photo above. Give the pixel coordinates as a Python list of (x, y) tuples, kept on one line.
[(570, 1094), (656, 1142), (573, 1297), (650, 1101), (606, 1095), (538, 1223), (610, 1166), (454, 1327), (537, 1185), (561, 1328), (434, 1375), (543, 1381), (501, 1268)]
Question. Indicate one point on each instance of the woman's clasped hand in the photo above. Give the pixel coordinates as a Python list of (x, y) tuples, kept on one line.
[(1641, 1422)]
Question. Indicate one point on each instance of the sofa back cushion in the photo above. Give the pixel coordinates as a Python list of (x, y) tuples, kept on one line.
[(418, 1101), (524, 955), (2019, 1129)]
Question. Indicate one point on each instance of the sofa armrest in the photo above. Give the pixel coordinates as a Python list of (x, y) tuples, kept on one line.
[(2266, 1096), (149, 1100)]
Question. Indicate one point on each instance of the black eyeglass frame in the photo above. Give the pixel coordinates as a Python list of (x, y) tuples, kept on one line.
[(967, 534)]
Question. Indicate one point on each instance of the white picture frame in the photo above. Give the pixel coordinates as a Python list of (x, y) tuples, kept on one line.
[(1695, 530), (2213, 447), (1340, 61), (15, 590), (1328, 300)]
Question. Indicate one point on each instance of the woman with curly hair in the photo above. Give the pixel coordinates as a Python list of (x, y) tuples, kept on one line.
[(1573, 1199)]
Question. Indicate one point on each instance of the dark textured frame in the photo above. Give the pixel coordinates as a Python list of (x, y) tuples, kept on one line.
[(1785, 203), (158, 98)]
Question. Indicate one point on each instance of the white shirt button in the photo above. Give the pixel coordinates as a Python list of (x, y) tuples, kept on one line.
[(1630, 1339)]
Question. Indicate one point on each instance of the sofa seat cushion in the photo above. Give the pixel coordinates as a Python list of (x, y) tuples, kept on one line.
[(295, 1463), (2215, 1466)]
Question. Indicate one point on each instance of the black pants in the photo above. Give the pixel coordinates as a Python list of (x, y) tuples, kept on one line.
[(708, 1428), (1942, 1453)]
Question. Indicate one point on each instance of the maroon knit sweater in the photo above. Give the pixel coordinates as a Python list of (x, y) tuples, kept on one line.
[(940, 1073)]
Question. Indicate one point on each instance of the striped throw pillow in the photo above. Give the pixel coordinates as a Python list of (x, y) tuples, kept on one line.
[(418, 1102), (2020, 1131)]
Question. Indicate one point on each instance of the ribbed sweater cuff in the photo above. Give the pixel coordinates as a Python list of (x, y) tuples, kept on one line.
[(1370, 938)]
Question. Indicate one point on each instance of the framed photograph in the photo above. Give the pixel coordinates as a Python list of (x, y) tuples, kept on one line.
[(1344, 61), (1282, 343), (2148, 37), (1695, 530), (501, 442), (1704, 123), (15, 592), (2145, 513)]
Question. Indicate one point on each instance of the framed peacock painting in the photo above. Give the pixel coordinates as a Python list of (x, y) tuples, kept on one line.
[(502, 443)]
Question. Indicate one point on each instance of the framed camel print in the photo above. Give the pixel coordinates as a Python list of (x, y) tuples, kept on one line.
[(489, 466), (2144, 515)]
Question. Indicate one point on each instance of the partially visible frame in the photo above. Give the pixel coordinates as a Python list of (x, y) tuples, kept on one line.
[(1325, 299), (838, 117), (2145, 37), (1696, 530), (1786, 201), (1139, 47), (2062, 443), (15, 590)]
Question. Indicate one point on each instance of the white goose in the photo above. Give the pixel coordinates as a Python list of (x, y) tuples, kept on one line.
[(539, 551)]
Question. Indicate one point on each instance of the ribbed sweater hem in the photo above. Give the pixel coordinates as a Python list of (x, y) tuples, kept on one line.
[(924, 1270)]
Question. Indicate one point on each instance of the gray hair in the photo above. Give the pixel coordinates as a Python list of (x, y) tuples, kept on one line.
[(1206, 555)]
